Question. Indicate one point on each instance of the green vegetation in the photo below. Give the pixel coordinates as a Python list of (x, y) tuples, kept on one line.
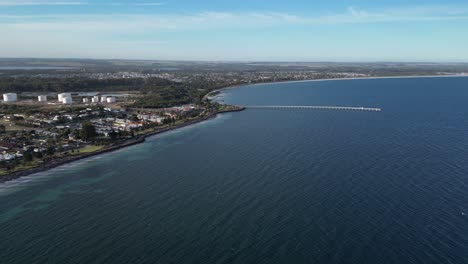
[(159, 97), (10, 168), (73, 84), (88, 131), (86, 150), (177, 93)]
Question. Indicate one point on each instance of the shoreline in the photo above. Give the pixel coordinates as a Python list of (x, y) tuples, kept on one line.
[(340, 79), (138, 140), (142, 138)]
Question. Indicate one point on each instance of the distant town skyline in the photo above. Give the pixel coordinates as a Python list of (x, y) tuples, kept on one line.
[(255, 30)]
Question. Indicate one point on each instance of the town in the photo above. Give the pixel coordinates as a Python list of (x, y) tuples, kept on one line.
[(78, 108), (35, 133)]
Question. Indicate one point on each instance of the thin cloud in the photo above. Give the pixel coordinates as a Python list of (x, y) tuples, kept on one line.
[(144, 23), (138, 42), (40, 3), (143, 35), (148, 4), (71, 3)]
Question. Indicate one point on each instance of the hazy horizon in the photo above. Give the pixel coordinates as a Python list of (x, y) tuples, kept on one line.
[(235, 61)]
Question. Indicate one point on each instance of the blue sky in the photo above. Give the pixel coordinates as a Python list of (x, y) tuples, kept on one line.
[(254, 30)]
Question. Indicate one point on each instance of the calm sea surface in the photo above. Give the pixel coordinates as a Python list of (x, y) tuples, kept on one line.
[(266, 186)]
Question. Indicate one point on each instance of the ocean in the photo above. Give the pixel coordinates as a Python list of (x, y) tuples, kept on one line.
[(266, 185)]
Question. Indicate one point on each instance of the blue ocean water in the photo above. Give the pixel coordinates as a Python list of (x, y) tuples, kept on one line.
[(266, 185)]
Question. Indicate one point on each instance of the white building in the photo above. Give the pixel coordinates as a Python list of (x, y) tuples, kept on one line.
[(42, 98), (157, 119), (95, 99), (63, 95), (6, 156), (85, 100), (10, 97), (111, 100), (103, 99), (67, 100)]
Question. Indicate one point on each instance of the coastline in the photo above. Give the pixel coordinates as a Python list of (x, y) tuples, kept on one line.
[(142, 138), (138, 140), (339, 79)]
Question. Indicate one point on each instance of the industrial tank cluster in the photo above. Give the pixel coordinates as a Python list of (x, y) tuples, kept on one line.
[(13, 97), (102, 99), (65, 98)]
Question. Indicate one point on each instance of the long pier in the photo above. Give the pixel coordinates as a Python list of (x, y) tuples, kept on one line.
[(350, 108)]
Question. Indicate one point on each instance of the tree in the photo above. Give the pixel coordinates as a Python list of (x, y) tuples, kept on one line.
[(38, 155), (2, 128), (88, 131), (113, 135), (50, 150), (27, 156)]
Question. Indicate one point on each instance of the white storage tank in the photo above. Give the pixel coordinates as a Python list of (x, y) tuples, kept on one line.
[(10, 97), (103, 99), (85, 100), (42, 98), (111, 100), (67, 100), (63, 95)]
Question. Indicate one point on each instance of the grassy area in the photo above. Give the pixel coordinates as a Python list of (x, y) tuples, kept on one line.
[(224, 107), (149, 130), (21, 167), (87, 149), (35, 163)]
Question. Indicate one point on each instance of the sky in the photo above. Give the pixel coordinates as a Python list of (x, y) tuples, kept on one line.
[(240, 30)]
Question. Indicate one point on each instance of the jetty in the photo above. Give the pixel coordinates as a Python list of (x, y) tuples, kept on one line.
[(349, 108)]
